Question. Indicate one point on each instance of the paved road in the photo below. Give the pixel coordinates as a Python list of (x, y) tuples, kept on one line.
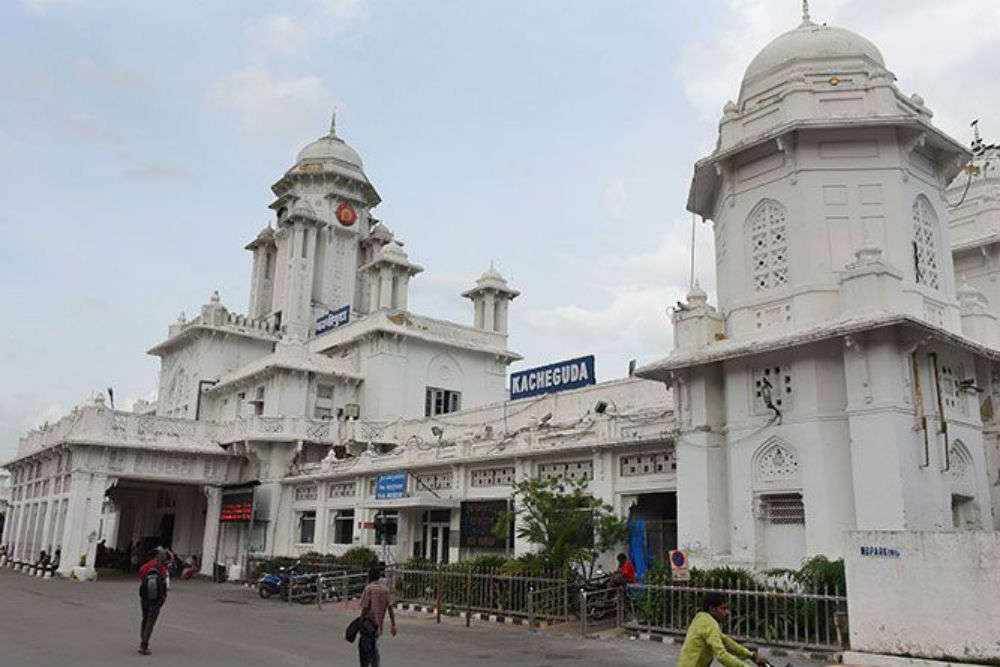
[(56, 622)]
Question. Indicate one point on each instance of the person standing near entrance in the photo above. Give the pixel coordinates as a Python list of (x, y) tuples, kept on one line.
[(705, 640), (375, 602), (152, 595)]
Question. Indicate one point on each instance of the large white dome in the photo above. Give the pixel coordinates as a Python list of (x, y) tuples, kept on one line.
[(811, 42), (330, 147)]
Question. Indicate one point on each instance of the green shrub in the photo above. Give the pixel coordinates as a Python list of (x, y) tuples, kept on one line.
[(362, 557)]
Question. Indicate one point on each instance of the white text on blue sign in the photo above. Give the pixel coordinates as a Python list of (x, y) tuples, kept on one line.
[(554, 377)]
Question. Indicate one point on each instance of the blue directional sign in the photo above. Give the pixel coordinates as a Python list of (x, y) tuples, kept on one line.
[(554, 377), (390, 485)]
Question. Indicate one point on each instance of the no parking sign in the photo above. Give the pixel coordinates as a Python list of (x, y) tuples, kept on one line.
[(679, 568)]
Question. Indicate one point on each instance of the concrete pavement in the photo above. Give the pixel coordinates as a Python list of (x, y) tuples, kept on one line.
[(57, 622)]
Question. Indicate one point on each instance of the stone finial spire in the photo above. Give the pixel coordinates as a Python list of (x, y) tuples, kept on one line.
[(333, 122), (805, 12)]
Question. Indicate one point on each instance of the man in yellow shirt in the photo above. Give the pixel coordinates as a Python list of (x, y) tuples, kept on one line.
[(705, 640)]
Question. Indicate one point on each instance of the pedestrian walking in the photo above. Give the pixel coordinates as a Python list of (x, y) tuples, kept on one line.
[(375, 602), (705, 639), (152, 595)]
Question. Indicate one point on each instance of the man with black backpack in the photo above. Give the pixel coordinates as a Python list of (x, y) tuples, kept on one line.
[(152, 594)]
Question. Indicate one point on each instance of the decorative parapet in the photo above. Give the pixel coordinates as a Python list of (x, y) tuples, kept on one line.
[(101, 426), (417, 326), (281, 429), (637, 414)]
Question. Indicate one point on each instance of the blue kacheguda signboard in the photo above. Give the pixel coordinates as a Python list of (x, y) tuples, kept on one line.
[(390, 485), (333, 319), (554, 377)]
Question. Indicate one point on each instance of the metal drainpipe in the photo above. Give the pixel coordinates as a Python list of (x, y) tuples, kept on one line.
[(940, 401)]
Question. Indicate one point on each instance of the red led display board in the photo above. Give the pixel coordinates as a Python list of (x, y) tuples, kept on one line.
[(237, 507)]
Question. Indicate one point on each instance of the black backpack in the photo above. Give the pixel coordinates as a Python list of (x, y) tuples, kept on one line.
[(151, 586)]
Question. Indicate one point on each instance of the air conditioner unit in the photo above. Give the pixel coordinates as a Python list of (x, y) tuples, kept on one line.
[(352, 411)]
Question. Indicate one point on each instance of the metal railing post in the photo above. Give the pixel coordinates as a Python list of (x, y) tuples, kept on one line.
[(437, 595), (319, 592), (531, 609), (468, 598), (583, 612)]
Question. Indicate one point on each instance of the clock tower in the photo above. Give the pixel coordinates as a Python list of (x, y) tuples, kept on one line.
[(308, 265)]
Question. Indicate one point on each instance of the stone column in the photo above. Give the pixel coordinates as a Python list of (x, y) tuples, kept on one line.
[(42, 530), (73, 530), (92, 519), (385, 296), (8, 525), (489, 311), (702, 498), (322, 518), (210, 543), (523, 469), (27, 547)]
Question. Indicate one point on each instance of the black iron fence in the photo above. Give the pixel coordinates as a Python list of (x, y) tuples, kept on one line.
[(782, 615), (482, 592)]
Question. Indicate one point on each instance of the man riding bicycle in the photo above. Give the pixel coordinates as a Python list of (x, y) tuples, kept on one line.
[(705, 639)]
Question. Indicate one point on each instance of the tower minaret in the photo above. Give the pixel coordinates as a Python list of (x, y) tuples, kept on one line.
[(491, 299), (323, 209), (262, 279)]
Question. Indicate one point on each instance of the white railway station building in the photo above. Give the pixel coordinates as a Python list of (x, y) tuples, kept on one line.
[(847, 379)]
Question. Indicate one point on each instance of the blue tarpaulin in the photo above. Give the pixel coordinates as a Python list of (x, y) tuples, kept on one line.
[(637, 548)]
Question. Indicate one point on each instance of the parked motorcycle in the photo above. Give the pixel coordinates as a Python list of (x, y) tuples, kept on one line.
[(303, 584), (273, 583)]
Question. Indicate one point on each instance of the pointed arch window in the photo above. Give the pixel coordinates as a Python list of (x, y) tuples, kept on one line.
[(768, 236), (925, 259)]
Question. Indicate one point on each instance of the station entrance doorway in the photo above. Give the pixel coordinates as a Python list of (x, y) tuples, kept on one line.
[(139, 516), (652, 524)]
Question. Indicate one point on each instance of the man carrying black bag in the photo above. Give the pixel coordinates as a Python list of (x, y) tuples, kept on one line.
[(152, 595)]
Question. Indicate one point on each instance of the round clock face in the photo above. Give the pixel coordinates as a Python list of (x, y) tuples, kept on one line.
[(346, 215)]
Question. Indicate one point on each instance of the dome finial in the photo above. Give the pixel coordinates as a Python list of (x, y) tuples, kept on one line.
[(805, 13), (333, 122)]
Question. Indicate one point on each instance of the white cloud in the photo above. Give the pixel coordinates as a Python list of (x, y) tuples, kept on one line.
[(268, 104), (276, 33), (341, 10), (625, 316), (614, 199), (44, 6)]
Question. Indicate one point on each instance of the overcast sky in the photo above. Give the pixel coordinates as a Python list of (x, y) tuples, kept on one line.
[(555, 138)]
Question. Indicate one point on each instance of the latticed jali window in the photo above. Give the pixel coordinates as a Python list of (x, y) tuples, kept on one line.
[(305, 492), (769, 246), (569, 470), (782, 508), (635, 465), (434, 481), (485, 477), (341, 490), (925, 261), (952, 392)]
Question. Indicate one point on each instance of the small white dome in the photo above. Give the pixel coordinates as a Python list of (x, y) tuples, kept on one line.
[(393, 251), (492, 274), (811, 41)]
